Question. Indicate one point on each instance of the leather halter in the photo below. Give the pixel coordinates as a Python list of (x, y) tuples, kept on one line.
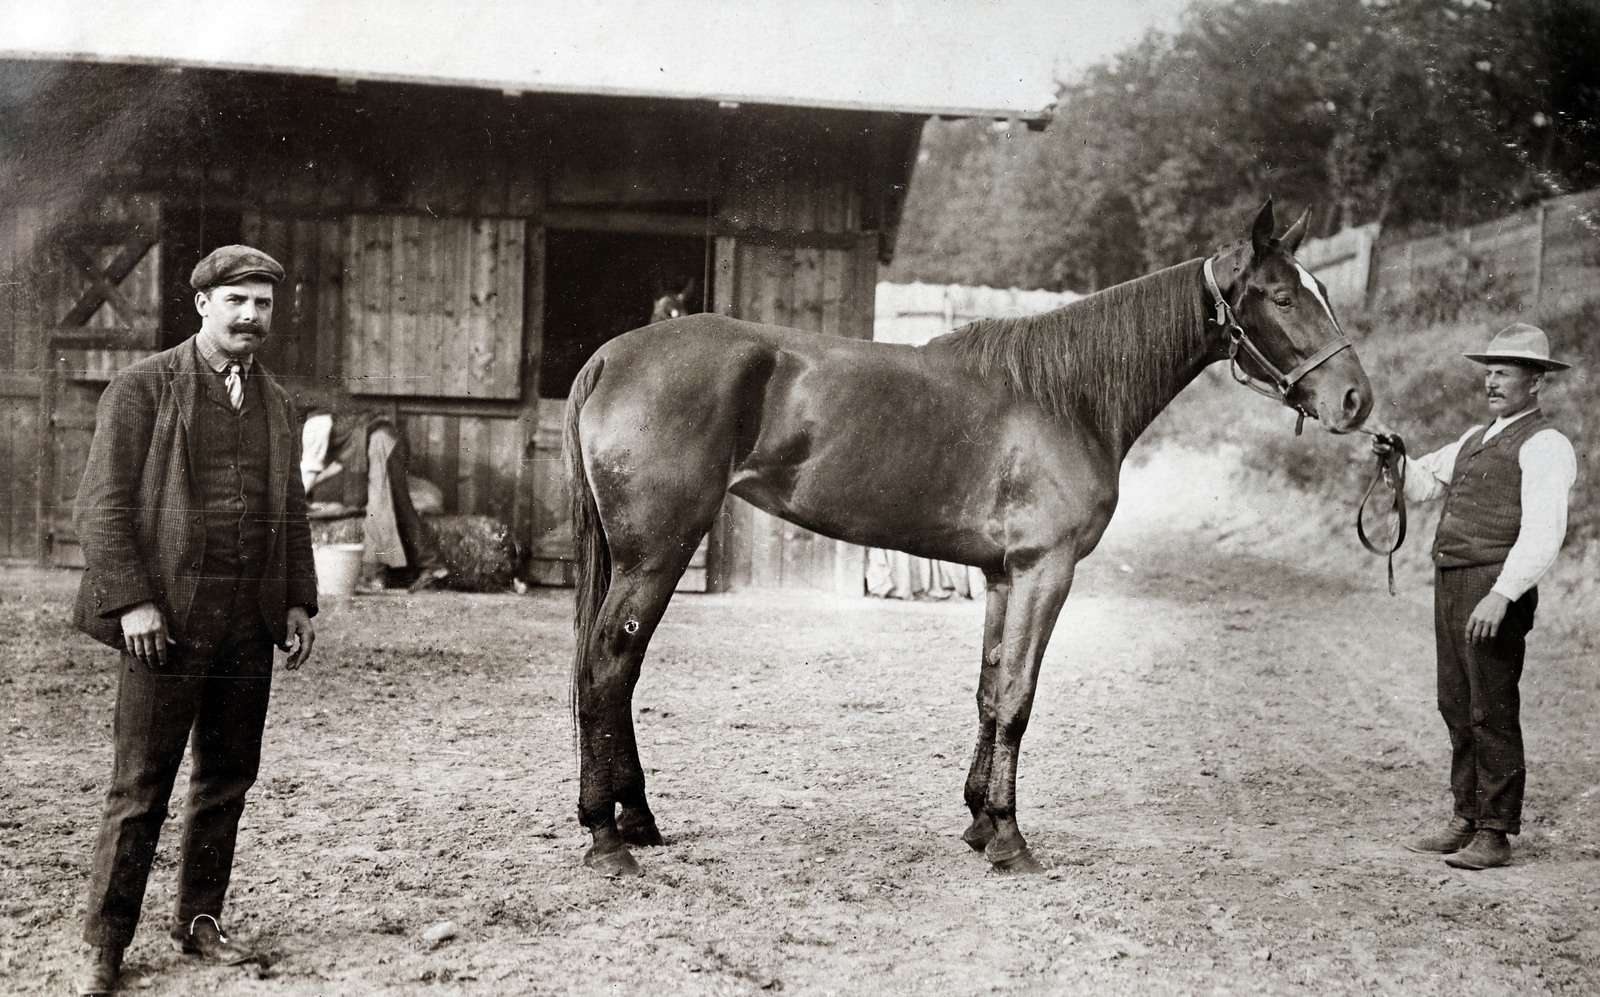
[(1278, 384)]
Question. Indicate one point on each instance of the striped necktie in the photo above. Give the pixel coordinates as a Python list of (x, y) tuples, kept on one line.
[(235, 386)]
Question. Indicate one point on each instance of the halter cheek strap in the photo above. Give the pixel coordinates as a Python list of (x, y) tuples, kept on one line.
[(1278, 384)]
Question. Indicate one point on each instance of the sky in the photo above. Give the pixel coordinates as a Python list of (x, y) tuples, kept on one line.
[(1002, 55)]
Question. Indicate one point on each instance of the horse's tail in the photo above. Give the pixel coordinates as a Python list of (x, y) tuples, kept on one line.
[(593, 553)]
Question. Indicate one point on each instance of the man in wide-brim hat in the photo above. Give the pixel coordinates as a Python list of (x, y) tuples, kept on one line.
[(1505, 488)]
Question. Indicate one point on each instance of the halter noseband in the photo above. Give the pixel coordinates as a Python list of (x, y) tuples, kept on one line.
[(1278, 384)]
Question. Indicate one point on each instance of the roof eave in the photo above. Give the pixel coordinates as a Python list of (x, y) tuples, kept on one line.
[(1034, 118)]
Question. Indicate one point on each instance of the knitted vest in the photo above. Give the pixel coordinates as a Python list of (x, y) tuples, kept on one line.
[(1483, 507), (231, 474)]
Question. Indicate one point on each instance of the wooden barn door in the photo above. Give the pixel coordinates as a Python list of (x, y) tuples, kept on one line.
[(101, 293), (435, 312), (828, 291)]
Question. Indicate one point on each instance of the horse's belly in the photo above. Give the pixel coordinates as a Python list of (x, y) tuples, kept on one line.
[(872, 512)]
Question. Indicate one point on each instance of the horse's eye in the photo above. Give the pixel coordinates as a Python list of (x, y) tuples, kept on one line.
[(1283, 301)]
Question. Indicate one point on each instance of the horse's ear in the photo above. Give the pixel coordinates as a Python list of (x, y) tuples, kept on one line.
[(1291, 239), (1261, 232), (688, 290)]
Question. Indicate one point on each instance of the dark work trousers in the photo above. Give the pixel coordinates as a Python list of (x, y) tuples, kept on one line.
[(1478, 697), (213, 695)]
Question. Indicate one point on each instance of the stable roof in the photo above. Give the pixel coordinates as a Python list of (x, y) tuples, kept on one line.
[(915, 56)]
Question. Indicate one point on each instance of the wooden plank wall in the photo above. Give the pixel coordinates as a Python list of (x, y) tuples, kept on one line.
[(434, 306), (472, 459), (448, 172), (19, 453), (21, 382), (311, 251)]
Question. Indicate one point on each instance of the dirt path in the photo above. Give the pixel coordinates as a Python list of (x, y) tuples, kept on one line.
[(1223, 757)]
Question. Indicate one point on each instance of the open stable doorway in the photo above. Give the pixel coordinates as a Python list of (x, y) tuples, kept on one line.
[(599, 285)]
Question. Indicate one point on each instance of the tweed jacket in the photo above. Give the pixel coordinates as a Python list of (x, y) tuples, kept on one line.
[(138, 512)]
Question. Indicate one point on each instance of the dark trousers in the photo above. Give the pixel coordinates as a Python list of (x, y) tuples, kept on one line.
[(212, 695), (1478, 698)]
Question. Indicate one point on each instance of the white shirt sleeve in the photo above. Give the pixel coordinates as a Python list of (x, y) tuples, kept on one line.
[(314, 447), (1549, 469), (1428, 477)]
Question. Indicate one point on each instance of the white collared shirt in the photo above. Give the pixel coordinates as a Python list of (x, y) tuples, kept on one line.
[(1549, 469), (218, 360)]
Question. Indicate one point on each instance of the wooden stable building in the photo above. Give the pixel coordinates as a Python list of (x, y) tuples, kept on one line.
[(455, 249)]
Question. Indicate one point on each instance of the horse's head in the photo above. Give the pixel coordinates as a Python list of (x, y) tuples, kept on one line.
[(1283, 337), (671, 304)]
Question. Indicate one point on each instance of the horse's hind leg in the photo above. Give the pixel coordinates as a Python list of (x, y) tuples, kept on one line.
[(981, 829), (610, 772)]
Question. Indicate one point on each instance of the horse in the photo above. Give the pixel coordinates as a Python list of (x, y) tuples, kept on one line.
[(1013, 430), (671, 304)]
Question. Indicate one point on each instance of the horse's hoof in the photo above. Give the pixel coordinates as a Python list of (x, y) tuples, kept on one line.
[(614, 864), (643, 835), (1015, 862), (979, 833)]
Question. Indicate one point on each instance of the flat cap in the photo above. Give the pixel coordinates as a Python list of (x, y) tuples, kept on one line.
[(231, 264)]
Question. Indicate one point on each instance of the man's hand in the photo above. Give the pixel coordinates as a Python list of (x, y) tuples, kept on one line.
[(301, 637), (1484, 623), (1384, 446), (144, 634)]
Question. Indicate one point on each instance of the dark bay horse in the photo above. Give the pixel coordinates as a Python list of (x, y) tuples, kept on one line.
[(998, 446)]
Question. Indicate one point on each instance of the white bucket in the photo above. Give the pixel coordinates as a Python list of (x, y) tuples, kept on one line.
[(338, 568)]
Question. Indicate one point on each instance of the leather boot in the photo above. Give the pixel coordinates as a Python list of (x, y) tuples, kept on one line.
[(98, 975), (1489, 849), (1453, 838), (206, 939)]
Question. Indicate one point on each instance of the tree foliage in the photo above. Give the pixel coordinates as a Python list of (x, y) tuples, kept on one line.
[(1419, 114)]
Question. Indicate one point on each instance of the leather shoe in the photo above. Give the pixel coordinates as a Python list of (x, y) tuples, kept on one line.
[(1453, 838), (98, 975), (1489, 848), (206, 940)]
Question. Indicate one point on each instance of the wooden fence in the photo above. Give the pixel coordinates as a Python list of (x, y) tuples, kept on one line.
[(1542, 258)]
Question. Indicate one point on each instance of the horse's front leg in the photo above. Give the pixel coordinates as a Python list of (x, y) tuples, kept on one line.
[(976, 792), (1037, 593)]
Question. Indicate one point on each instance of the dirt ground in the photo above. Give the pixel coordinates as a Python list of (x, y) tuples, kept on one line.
[(1227, 748)]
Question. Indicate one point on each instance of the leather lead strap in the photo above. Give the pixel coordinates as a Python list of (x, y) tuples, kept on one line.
[(1396, 459)]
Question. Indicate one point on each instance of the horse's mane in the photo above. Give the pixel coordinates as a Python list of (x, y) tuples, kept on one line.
[(1113, 358)]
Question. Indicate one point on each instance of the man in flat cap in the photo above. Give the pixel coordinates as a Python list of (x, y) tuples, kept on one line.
[(193, 523), (1505, 491)]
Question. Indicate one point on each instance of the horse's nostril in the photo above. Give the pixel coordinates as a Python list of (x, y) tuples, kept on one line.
[(1352, 402)]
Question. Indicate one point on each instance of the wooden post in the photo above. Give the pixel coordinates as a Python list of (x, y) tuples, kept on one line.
[(722, 540), (1538, 259)]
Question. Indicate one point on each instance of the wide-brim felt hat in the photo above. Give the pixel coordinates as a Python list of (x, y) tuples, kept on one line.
[(1519, 343), (231, 264)]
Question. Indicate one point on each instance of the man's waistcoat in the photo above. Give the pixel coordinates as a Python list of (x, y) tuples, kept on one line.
[(231, 477), (1483, 507)]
